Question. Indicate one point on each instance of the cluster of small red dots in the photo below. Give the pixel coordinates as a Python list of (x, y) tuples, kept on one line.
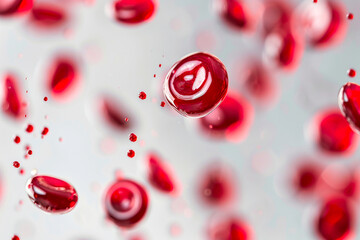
[(131, 153), (132, 137), (351, 72), (142, 95)]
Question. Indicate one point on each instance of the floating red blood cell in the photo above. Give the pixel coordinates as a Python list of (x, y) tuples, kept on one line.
[(9, 7), (283, 49), (131, 153), (349, 103), (239, 14), (196, 85), (324, 23), (17, 139), (306, 177), (216, 185), (29, 128), (159, 174), (126, 203), (335, 220), (133, 11), (351, 72), (114, 113), (277, 16), (229, 228), (231, 120), (333, 133), (45, 131), (12, 100), (45, 15), (51, 194), (63, 78), (16, 164)]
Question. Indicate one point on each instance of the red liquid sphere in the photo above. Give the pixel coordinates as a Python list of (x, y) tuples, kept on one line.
[(131, 153), (159, 175), (196, 85), (16, 164), (333, 133), (126, 203), (351, 72), (335, 219), (17, 139), (12, 103), (63, 77), (231, 120), (114, 114), (277, 16), (51, 194), (231, 228), (133, 11), (29, 128), (132, 137), (48, 16), (349, 103), (10, 7)]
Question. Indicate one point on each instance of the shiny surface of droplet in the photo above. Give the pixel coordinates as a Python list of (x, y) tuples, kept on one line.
[(349, 103), (134, 11)]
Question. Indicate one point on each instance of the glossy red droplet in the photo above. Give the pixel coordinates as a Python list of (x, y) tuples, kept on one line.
[(16, 164), (324, 24), (159, 174), (64, 77), (45, 99), (351, 72), (350, 16), (229, 228), (126, 203), (231, 120), (114, 113), (333, 133), (142, 95), (45, 131), (277, 16), (349, 103), (12, 103), (335, 220), (133, 11), (216, 185), (162, 104), (131, 153), (15, 237), (30, 152), (196, 85), (132, 137), (47, 15), (17, 139), (51, 194), (29, 128), (10, 7)]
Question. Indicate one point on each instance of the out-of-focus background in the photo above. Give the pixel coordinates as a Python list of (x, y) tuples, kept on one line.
[(121, 60)]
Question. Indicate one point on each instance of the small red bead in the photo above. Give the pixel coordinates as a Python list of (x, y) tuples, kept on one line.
[(162, 104), (131, 153), (30, 152), (351, 72), (350, 16), (142, 95), (45, 131), (132, 137), (45, 99), (17, 139), (15, 237), (16, 164), (29, 128)]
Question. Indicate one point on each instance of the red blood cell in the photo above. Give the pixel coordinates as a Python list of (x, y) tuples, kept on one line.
[(16, 164), (133, 11), (114, 113), (216, 185), (12, 100), (349, 103), (159, 174), (126, 203), (196, 85), (30, 152), (132, 137), (131, 153), (17, 139), (306, 178), (351, 72), (48, 15), (45, 99), (64, 77), (335, 220), (350, 16), (333, 133), (162, 104), (51, 194), (9, 7), (228, 229), (277, 16), (142, 95), (15, 237), (45, 131), (324, 24), (29, 128), (230, 121)]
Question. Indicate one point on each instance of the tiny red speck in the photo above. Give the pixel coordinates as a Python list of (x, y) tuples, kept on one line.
[(132, 137), (17, 139), (16, 164), (29, 128), (154, 75), (351, 72), (142, 95), (45, 131), (350, 16), (30, 152), (22, 171), (45, 99), (159, 65), (131, 153), (15, 238), (162, 104)]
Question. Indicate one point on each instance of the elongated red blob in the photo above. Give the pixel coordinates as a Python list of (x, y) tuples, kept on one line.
[(12, 102), (126, 203), (115, 114), (51, 194), (11, 7), (48, 15), (159, 174), (196, 85), (349, 103), (134, 11)]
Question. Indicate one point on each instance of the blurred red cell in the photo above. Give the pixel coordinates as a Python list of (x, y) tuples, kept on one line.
[(114, 113), (332, 133), (335, 220), (160, 175), (48, 16), (133, 11), (51, 194), (306, 177), (63, 77), (12, 103), (196, 84), (324, 23), (349, 103), (230, 121), (11, 7), (217, 185), (229, 228), (277, 16), (126, 203)]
